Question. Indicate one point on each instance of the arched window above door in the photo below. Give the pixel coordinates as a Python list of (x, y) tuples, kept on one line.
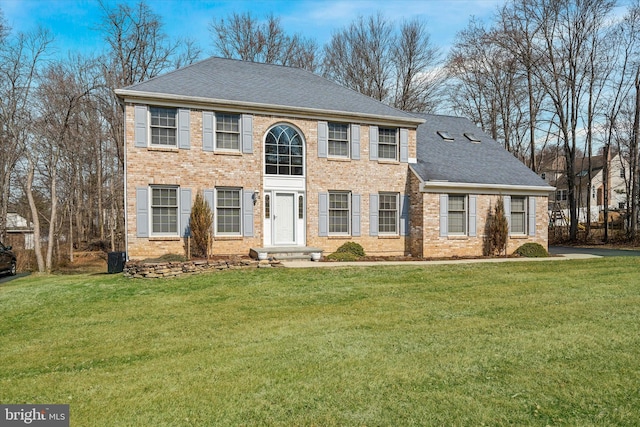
[(284, 154)]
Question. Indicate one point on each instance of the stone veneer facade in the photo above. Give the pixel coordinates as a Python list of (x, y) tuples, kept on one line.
[(198, 170)]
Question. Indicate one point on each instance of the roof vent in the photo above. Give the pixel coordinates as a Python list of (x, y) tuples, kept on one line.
[(445, 135), (471, 137)]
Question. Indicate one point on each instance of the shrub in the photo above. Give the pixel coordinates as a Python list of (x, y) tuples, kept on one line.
[(343, 256), (351, 248), (532, 250), (201, 223), (498, 230)]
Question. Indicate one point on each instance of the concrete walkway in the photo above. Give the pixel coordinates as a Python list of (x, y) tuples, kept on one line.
[(311, 264)]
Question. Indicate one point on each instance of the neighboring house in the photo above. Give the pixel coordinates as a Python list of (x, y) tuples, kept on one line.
[(618, 175), (287, 158), (19, 232)]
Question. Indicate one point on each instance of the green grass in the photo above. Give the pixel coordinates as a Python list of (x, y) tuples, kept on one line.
[(545, 343)]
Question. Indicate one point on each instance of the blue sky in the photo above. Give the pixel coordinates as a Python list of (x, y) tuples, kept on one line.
[(73, 22)]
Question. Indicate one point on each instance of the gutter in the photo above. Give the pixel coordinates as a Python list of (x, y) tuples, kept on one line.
[(261, 108)]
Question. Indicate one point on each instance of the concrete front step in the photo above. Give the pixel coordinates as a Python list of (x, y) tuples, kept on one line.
[(286, 253)]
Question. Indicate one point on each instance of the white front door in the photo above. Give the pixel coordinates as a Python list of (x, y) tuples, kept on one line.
[(284, 219)]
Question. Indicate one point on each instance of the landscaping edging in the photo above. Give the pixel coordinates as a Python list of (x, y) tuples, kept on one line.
[(155, 270)]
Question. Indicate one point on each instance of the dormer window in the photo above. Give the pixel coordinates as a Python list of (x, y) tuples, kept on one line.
[(445, 135), (471, 137)]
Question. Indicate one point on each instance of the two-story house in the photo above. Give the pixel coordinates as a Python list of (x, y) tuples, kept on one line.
[(286, 158)]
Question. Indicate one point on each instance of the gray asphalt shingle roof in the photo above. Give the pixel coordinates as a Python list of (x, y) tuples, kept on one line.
[(463, 161), (270, 85)]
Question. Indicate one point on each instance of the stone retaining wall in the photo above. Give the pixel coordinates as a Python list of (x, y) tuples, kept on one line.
[(140, 270)]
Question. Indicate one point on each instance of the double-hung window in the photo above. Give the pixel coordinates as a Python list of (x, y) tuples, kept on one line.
[(388, 143), (228, 132), (518, 215), (339, 213), (228, 211), (164, 210), (338, 140), (388, 213), (163, 126), (457, 214)]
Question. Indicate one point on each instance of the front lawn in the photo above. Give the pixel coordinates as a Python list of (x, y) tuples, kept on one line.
[(545, 343)]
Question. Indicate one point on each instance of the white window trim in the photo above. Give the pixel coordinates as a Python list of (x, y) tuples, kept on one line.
[(150, 127), (216, 149), (164, 234), (525, 232), (465, 216), (397, 145), (216, 233), (335, 156), (329, 232), (387, 233)]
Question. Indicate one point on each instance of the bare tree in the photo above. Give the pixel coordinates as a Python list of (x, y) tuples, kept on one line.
[(395, 66), (245, 37), (418, 82), (20, 58)]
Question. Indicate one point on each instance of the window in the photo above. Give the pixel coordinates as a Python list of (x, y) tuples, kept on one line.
[(445, 135), (561, 195), (339, 213), (267, 206), (163, 126), (457, 214), (621, 172), (543, 175), (387, 143), (338, 140), (471, 137), (300, 207), (518, 215), (164, 210), (228, 211), (388, 213), (283, 151), (228, 132)]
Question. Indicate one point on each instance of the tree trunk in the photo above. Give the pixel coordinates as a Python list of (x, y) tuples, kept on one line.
[(35, 218)]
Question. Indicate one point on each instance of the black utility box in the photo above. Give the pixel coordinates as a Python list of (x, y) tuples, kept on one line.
[(115, 262)]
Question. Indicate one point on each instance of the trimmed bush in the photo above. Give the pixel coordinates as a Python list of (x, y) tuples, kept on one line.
[(342, 256), (532, 250), (201, 223), (351, 248)]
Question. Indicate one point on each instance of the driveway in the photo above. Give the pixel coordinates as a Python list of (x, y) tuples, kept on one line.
[(4, 278), (558, 250)]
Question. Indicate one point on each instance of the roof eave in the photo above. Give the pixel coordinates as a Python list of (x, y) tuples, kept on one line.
[(132, 96), (466, 187)]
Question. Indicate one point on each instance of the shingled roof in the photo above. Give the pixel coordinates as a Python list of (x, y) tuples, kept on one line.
[(264, 87), (460, 160)]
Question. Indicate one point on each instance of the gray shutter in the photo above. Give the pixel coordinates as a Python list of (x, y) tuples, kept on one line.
[(373, 143), (373, 214), (355, 142), (323, 139), (184, 128), (247, 133), (405, 227), (209, 197), (404, 215), (355, 215), (532, 216), (473, 213), (142, 212), (207, 130), (507, 210), (444, 215), (185, 211), (404, 145), (323, 214), (247, 213), (140, 132)]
